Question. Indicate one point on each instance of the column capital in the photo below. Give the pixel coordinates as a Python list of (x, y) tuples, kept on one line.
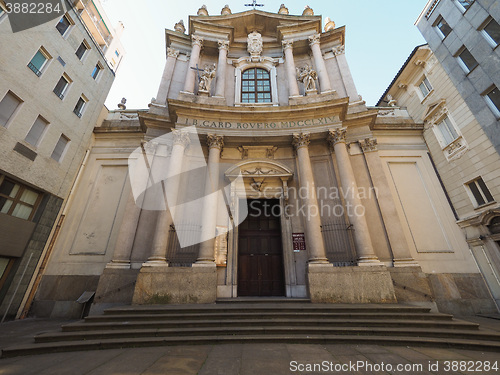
[(215, 141), (181, 137), (368, 144), (339, 50), (197, 40), (314, 39), (287, 44), (171, 52), (301, 140), (223, 44), (336, 136)]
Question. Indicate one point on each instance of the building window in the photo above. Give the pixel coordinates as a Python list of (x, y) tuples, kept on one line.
[(64, 24), (466, 60), (443, 27), (62, 86), (80, 106), (465, 4), (425, 87), (492, 97), (447, 131), (18, 200), (60, 149), (117, 53), (96, 71), (82, 49), (37, 131), (491, 31), (8, 107), (479, 192), (39, 61), (255, 86)]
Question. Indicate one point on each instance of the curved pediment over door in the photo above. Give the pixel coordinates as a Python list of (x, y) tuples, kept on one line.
[(262, 177)]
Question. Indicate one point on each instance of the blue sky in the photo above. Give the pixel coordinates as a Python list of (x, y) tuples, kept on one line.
[(380, 35)]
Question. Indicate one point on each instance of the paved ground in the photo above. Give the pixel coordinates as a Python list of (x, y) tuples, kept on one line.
[(254, 359)]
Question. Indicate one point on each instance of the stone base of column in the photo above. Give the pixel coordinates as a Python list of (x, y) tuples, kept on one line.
[(156, 262), (412, 287), (350, 284), (204, 263), (323, 261), (201, 99), (115, 288), (175, 285), (324, 96), (405, 262), (368, 261), (119, 264)]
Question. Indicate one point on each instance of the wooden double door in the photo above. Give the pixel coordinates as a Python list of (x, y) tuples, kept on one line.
[(260, 253)]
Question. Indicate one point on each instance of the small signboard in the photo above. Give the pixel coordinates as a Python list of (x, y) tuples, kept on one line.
[(299, 242)]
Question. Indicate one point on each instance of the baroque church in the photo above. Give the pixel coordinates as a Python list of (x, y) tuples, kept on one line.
[(258, 171)]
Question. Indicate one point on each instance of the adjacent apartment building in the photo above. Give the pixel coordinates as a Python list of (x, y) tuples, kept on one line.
[(53, 82), (451, 85)]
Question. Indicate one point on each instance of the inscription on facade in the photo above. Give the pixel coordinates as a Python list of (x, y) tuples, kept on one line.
[(260, 125)]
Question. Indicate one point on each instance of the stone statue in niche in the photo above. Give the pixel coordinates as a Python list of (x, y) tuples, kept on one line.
[(255, 44), (308, 76), (206, 78)]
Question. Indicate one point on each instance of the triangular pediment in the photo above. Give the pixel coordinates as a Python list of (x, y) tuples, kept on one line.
[(434, 108)]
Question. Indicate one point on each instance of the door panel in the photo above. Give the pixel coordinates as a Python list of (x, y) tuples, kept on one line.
[(260, 258)]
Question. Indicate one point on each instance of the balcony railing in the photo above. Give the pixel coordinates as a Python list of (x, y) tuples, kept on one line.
[(34, 69)]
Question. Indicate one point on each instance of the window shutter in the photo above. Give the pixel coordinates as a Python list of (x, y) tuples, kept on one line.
[(36, 131), (8, 106), (59, 149)]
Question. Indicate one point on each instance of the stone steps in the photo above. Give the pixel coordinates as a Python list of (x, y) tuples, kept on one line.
[(272, 322), (270, 315), (161, 324), (69, 346), (262, 330)]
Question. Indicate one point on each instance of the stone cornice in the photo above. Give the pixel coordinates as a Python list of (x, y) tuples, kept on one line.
[(335, 107)]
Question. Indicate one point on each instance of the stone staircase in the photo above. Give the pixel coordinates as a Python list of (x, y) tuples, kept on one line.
[(263, 321)]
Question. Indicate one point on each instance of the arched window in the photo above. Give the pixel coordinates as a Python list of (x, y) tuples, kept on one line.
[(256, 86)]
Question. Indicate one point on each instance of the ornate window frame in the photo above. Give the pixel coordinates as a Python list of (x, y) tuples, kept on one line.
[(435, 114), (245, 63)]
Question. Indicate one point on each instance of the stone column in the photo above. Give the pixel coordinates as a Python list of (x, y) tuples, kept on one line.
[(220, 83), (293, 87), (125, 240), (161, 97), (171, 185), (392, 222), (345, 73), (314, 238), (209, 213), (324, 80), (362, 239), (191, 73)]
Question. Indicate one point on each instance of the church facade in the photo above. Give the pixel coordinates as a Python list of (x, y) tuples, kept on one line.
[(259, 171)]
